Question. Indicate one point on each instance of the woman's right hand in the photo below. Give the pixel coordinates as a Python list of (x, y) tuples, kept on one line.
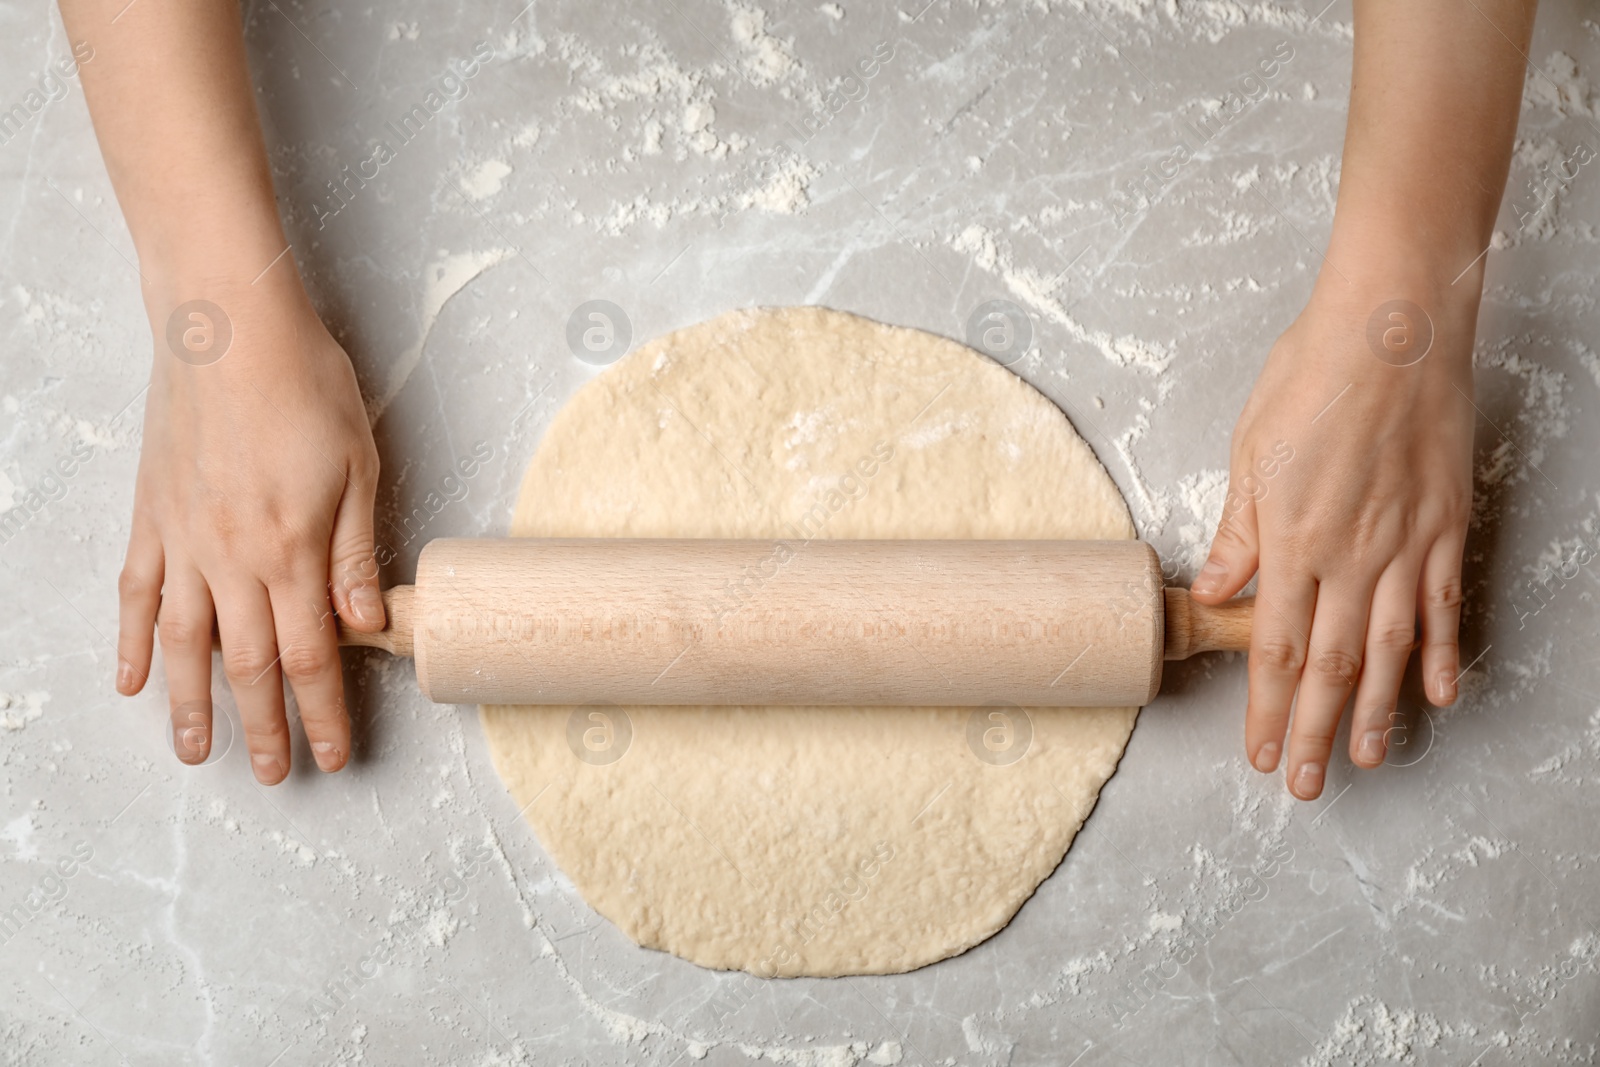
[(254, 505)]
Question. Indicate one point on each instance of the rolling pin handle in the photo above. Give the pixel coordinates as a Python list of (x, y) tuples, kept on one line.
[(394, 638), (396, 635), (1194, 627)]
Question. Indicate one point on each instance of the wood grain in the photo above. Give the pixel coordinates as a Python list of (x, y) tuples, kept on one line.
[(1195, 627), (922, 623), (570, 621)]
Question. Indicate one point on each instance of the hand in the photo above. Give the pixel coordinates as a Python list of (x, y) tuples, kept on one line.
[(254, 501), (1349, 493)]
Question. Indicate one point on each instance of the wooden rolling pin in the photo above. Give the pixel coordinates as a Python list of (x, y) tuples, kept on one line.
[(576, 621)]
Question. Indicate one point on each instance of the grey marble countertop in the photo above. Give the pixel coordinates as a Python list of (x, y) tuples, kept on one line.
[(678, 160)]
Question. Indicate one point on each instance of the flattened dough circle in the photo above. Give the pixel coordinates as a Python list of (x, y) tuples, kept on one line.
[(809, 841)]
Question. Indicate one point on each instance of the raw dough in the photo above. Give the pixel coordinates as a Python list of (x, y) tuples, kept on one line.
[(809, 841)]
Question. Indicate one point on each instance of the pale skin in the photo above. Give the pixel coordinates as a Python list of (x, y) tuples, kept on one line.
[(253, 511), (1360, 536), (254, 500)]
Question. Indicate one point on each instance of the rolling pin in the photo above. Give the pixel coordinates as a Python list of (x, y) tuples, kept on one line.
[(658, 621)]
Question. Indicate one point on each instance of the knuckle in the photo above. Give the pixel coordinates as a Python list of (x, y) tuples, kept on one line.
[(305, 660), (1336, 665), (1370, 525), (133, 585), (277, 559), (1445, 595), (1297, 540), (356, 570), (245, 663), (323, 717), (273, 549), (1281, 655), (268, 735), (179, 634), (1378, 713), (217, 523), (1315, 738), (1394, 637), (364, 466), (1372, 532), (1455, 506), (1441, 644), (1229, 537)]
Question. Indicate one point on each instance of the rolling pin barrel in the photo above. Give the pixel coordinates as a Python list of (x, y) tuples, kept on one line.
[(574, 621)]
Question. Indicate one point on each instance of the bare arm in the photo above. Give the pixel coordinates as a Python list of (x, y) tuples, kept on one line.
[(1351, 479), (1434, 99), (257, 474), (169, 90)]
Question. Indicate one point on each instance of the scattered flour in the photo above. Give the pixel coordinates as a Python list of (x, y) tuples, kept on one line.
[(1037, 290), (19, 832), (1558, 85), (486, 179), (1202, 495), (786, 192), (299, 851), (1586, 356), (886, 1054), (17, 710), (1545, 417), (1155, 504), (779, 185), (767, 59), (1370, 1032), (440, 927), (1569, 764)]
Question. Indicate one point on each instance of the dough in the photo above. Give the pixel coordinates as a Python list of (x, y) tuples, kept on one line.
[(809, 840)]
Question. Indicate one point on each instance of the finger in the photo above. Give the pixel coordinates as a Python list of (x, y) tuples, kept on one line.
[(353, 577), (184, 625), (1285, 601), (1439, 595), (138, 601), (250, 660), (309, 658), (1235, 551), (1333, 666), (1391, 634)]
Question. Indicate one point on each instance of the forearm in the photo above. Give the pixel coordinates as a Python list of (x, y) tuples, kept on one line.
[(169, 92), (1434, 99)]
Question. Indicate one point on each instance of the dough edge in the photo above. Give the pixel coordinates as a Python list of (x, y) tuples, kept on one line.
[(645, 848)]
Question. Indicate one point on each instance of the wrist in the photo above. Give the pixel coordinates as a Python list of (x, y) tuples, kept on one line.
[(227, 263), (1389, 247), (1399, 303), (1367, 267), (209, 309), (247, 275)]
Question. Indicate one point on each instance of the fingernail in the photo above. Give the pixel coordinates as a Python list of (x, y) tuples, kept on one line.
[(367, 604), (1267, 757), (1209, 578), (269, 769), (1446, 684), (1308, 781), (327, 755), (187, 743), (1371, 749), (124, 675)]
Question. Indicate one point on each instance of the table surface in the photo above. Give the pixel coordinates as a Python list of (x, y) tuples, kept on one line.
[(1434, 911)]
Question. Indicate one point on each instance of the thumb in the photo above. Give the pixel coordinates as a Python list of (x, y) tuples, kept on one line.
[(353, 573), (1235, 550)]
